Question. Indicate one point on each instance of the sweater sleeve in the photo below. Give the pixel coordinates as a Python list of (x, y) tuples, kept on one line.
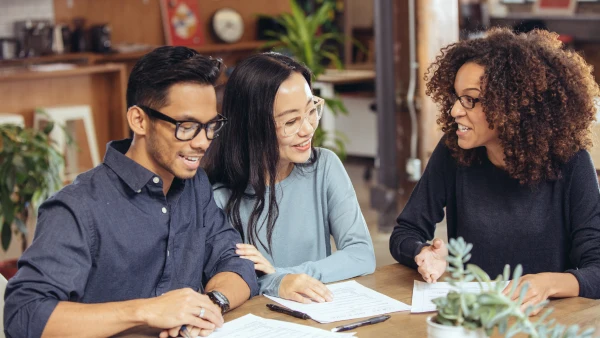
[(584, 207), (354, 255), (425, 208)]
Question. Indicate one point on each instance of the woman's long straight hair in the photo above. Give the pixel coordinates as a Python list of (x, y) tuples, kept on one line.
[(246, 153)]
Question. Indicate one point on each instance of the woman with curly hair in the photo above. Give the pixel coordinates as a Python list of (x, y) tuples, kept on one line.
[(512, 169)]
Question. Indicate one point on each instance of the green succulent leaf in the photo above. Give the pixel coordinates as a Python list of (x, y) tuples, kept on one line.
[(516, 277), (492, 309)]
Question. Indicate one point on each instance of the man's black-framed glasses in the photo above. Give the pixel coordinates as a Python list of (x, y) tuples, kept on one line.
[(467, 101), (187, 130)]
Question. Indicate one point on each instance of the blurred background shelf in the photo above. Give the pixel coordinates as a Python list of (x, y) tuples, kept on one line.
[(584, 28), (102, 87)]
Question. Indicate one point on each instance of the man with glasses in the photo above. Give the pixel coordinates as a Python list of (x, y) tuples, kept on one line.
[(137, 243)]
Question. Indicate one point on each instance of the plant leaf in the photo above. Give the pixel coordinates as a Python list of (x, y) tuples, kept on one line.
[(333, 58), (516, 276), (48, 128), (6, 235)]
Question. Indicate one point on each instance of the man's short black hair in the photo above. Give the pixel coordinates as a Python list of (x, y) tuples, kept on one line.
[(157, 71)]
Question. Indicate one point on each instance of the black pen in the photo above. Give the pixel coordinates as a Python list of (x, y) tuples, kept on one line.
[(292, 313), (353, 326)]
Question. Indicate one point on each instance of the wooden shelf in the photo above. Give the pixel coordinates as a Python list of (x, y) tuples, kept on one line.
[(240, 46), (531, 16), (582, 27), (26, 74), (70, 57), (102, 87), (207, 49), (92, 58), (345, 76)]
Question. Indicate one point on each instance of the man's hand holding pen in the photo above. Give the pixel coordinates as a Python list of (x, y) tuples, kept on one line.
[(178, 308)]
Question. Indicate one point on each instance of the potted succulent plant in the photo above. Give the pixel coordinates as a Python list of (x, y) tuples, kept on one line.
[(465, 314), (30, 170)]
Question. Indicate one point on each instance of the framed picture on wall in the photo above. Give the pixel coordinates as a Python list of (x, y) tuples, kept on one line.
[(181, 22), (555, 7)]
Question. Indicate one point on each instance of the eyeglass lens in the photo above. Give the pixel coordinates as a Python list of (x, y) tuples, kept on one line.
[(313, 116), (188, 130)]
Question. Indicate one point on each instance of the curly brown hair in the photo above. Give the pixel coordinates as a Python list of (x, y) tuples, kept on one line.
[(539, 95)]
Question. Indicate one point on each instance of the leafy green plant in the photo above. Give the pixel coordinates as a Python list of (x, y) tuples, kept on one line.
[(491, 308), (304, 40), (30, 170)]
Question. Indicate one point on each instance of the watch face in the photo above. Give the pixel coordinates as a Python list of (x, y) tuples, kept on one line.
[(219, 296), (228, 25), (219, 299)]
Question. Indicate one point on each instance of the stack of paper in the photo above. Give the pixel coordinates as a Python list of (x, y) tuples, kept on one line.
[(350, 301), (423, 293), (251, 326)]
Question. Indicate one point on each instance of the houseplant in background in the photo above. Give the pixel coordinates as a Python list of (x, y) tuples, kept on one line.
[(30, 170), (301, 37), (465, 314)]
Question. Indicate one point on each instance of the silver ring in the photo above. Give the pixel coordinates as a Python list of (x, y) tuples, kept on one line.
[(202, 311)]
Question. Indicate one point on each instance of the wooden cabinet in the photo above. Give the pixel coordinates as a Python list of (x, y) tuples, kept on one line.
[(102, 87)]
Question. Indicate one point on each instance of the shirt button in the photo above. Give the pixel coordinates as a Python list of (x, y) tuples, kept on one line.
[(156, 180), (167, 253), (164, 210), (139, 191)]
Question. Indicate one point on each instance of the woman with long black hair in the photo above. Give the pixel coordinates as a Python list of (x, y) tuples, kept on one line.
[(285, 197)]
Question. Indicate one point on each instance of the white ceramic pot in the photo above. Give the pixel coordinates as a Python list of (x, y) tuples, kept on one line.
[(435, 330)]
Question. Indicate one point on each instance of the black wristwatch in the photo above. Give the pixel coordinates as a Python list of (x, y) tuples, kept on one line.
[(219, 299)]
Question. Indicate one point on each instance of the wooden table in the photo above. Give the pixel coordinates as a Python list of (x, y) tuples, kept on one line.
[(396, 281)]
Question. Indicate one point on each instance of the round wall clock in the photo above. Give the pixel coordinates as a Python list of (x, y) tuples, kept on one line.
[(227, 25)]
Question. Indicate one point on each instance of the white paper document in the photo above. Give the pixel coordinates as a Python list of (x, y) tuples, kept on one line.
[(251, 326), (423, 293), (350, 301)]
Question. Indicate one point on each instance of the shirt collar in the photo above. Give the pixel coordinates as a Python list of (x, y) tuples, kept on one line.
[(131, 172)]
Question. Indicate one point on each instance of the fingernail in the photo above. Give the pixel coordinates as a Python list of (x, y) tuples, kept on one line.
[(239, 252), (238, 245)]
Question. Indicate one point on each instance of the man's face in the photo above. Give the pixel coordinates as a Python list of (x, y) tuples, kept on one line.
[(186, 102)]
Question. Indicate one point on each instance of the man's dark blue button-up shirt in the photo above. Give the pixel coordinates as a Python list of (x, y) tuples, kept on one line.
[(113, 235)]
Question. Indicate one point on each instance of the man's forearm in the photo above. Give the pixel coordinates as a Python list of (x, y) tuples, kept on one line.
[(93, 320), (232, 286)]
